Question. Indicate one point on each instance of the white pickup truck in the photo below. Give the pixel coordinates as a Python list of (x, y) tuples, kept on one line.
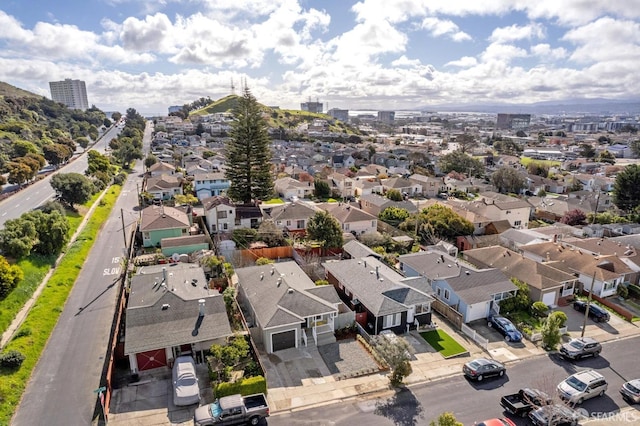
[(233, 410)]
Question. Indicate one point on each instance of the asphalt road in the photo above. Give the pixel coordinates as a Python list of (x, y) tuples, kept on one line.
[(61, 389), (40, 192), (472, 402)]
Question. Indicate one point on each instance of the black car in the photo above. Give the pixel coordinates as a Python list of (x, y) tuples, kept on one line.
[(505, 327), (481, 368), (596, 312), (557, 415)]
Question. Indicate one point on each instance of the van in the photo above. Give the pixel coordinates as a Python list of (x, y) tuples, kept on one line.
[(582, 385)]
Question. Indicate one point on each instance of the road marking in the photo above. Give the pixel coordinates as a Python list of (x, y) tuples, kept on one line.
[(111, 271), (115, 260)]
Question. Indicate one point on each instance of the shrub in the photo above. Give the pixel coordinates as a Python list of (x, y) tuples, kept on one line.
[(120, 178), (634, 291), (551, 333), (26, 331), (249, 386), (263, 261), (539, 309), (560, 317), (622, 291), (12, 359), (322, 282)]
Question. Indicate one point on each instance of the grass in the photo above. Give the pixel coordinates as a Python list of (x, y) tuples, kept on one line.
[(443, 343), (37, 327)]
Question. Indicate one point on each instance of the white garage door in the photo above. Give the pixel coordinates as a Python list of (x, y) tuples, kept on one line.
[(549, 299), (477, 311)]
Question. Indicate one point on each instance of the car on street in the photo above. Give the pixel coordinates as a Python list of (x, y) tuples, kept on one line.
[(596, 312), (581, 348), (185, 383), (496, 422), (631, 391), (556, 415), (482, 368), (581, 386), (524, 401), (505, 327)]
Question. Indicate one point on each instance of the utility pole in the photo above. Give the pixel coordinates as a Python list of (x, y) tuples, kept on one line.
[(124, 231), (586, 311)]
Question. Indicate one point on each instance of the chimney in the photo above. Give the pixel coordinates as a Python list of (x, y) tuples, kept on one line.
[(201, 307), (377, 273), (164, 275)]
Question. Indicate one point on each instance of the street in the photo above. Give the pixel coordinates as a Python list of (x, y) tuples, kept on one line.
[(61, 389), (40, 192), (474, 402)]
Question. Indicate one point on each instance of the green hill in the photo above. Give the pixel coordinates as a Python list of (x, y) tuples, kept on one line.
[(286, 119), (14, 92)]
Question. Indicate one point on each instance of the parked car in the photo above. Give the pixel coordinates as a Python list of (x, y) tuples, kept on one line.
[(596, 312), (556, 415), (232, 410), (524, 401), (631, 391), (185, 383), (481, 368), (581, 348), (582, 385), (496, 422), (505, 327)]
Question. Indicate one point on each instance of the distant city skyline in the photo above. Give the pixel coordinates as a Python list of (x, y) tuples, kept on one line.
[(368, 54)]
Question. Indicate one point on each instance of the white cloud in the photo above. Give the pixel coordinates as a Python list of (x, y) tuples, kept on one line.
[(545, 51), (516, 32), (605, 40), (440, 27), (151, 34), (464, 62), (403, 61)]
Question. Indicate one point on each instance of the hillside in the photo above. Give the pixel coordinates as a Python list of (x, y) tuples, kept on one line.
[(14, 92), (286, 119)]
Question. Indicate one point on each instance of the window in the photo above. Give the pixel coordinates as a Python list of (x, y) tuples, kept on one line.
[(288, 223), (508, 211), (517, 223), (225, 226), (439, 291), (446, 294), (373, 223), (609, 286), (222, 214), (145, 235), (392, 320), (423, 309), (300, 224)]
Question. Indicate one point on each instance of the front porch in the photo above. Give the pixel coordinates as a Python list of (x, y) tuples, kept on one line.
[(319, 330)]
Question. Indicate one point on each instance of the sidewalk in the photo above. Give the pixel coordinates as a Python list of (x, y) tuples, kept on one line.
[(427, 367)]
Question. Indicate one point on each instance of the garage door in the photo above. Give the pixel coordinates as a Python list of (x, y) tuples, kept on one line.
[(284, 340), (549, 299)]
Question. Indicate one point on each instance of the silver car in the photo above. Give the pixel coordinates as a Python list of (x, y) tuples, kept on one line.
[(185, 383), (631, 391)]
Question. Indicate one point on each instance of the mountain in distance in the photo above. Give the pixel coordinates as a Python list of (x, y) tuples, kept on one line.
[(568, 106), (7, 90)]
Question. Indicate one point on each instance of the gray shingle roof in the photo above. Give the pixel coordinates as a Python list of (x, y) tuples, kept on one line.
[(149, 326), (479, 286), (358, 250), (268, 293), (431, 265)]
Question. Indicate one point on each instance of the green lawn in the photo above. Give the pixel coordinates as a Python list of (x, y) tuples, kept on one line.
[(443, 343)]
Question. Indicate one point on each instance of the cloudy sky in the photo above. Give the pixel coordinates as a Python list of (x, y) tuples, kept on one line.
[(368, 54)]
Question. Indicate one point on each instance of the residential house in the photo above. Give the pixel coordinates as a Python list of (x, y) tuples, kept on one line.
[(351, 218), (405, 186), (158, 222), (163, 187), (431, 186), (175, 246), (172, 312), (339, 161), (161, 168), (602, 273), (292, 217), (285, 309), (290, 188), (223, 215), (473, 293), (354, 249), (382, 298), (374, 204), (498, 206), (209, 184), (546, 283), (342, 184)]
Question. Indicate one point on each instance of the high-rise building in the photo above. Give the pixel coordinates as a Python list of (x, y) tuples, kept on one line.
[(72, 93), (315, 107), (513, 121), (339, 114), (387, 116)]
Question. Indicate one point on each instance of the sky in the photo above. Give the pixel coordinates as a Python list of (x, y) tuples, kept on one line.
[(367, 54)]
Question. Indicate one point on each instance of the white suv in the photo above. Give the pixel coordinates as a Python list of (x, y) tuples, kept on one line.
[(582, 385)]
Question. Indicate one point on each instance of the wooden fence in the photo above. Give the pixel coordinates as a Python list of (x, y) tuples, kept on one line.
[(275, 253), (448, 312)]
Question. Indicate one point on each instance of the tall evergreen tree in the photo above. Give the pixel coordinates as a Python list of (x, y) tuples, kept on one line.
[(626, 190), (248, 155)]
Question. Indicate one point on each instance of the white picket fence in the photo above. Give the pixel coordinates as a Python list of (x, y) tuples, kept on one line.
[(481, 341)]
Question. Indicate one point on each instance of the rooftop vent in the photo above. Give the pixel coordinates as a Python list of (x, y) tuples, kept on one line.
[(467, 272), (201, 303), (273, 269), (165, 306), (290, 291), (261, 276)]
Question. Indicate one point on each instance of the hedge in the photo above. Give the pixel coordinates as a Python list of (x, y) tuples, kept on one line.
[(248, 386), (634, 290)]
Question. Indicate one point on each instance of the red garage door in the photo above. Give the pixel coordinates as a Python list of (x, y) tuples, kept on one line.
[(151, 359)]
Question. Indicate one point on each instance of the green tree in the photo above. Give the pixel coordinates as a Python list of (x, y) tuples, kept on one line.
[(18, 238), (52, 229), (551, 333), (394, 216), (438, 222), (321, 189), (446, 419), (19, 173), (394, 195), (98, 163), (397, 353), (458, 161), (626, 190), (587, 151), (606, 157), (326, 228), (508, 180), (248, 154), (466, 142), (10, 276), (270, 234), (520, 302), (150, 161), (57, 153), (538, 168), (72, 188)]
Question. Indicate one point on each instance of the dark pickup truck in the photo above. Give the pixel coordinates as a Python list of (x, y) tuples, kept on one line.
[(521, 403), (233, 410)]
